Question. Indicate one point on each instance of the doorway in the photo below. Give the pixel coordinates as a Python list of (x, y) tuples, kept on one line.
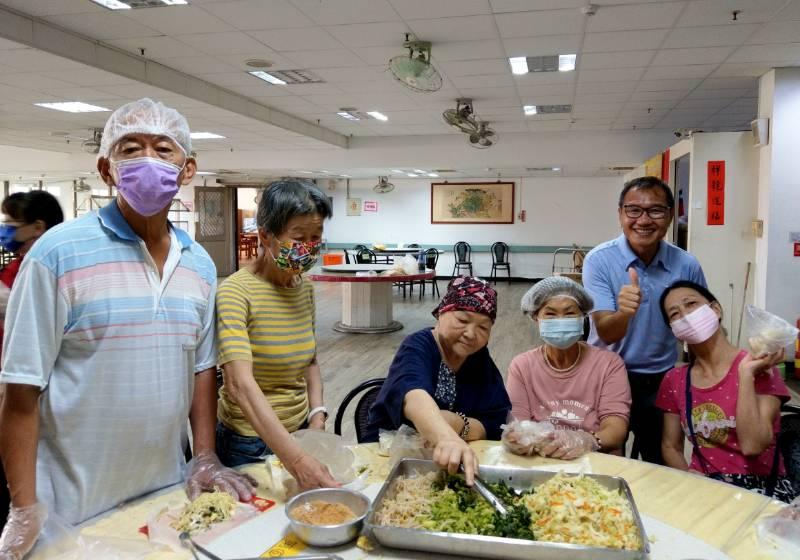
[(246, 229), (680, 231), (215, 216)]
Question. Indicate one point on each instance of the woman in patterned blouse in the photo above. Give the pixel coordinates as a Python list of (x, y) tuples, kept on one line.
[(443, 382)]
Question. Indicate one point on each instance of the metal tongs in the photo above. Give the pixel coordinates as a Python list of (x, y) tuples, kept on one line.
[(481, 488), (194, 548)]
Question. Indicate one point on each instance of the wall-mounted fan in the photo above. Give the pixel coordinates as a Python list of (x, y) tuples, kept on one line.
[(485, 137), (81, 186), (383, 185), (415, 70), (90, 144), (462, 117)]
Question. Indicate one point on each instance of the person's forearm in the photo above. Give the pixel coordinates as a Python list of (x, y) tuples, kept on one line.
[(754, 432), (476, 428), (613, 432), (203, 413), (313, 377), (19, 438), (421, 409), (673, 457), (611, 327)]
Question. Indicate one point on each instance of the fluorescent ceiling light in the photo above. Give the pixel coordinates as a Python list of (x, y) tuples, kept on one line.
[(205, 136), (72, 107), (112, 4), (556, 169), (347, 115), (343, 176), (378, 115), (433, 174), (519, 64), (397, 171), (324, 171), (529, 110), (412, 174), (267, 77), (175, 2), (566, 62), (309, 172), (205, 173), (420, 171)]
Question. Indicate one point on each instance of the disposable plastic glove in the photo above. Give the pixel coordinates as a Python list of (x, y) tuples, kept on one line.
[(21, 531), (569, 444), (526, 437), (206, 473)]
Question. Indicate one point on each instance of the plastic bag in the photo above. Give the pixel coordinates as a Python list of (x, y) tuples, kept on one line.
[(408, 444), (330, 450), (767, 333), (780, 533), (526, 437)]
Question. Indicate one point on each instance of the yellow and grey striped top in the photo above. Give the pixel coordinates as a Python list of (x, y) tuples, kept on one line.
[(273, 328)]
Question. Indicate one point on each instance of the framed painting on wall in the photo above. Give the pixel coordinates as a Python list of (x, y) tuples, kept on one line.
[(472, 203)]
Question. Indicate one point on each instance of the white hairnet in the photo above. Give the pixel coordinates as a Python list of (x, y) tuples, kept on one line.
[(145, 116), (554, 286)]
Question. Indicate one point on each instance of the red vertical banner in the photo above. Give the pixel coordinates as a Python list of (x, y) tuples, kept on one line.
[(665, 166), (716, 193)]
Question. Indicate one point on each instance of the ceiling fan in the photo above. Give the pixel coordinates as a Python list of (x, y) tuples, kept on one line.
[(485, 137), (415, 70), (383, 186), (462, 117), (89, 144)]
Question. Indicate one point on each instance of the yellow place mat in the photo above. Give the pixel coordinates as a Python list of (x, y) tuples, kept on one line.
[(289, 545)]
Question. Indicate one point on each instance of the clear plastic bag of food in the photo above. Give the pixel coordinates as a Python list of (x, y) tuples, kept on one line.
[(408, 444), (526, 437), (767, 333), (779, 534)]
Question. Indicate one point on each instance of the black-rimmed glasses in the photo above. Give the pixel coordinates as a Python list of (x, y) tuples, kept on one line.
[(654, 212)]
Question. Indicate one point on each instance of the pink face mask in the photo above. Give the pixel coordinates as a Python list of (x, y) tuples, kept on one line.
[(696, 327)]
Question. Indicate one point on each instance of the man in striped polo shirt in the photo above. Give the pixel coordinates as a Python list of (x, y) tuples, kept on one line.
[(109, 344)]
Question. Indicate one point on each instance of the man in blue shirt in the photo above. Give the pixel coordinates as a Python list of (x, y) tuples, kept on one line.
[(626, 277)]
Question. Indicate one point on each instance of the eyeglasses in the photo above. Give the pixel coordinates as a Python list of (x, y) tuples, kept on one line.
[(654, 212)]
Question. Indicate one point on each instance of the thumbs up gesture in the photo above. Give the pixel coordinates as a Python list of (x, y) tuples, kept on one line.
[(630, 295)]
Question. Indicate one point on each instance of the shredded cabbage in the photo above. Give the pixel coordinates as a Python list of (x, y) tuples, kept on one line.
[(206, 509)]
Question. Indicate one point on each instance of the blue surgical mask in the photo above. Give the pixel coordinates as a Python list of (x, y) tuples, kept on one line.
[(8, 239), (561, 333)]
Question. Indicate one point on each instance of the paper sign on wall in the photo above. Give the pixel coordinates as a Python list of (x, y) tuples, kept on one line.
[(797, 249), (353, 206), (370, 206), (716, 193)]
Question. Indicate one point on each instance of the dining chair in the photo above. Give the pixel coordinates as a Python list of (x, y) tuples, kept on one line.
[(462, 251), (500, 252), (431, 260), (370, 388)]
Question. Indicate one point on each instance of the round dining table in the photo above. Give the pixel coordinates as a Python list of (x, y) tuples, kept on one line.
[(722, 516), (366, 295)]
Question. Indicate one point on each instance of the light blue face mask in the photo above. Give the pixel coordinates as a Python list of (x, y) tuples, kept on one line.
[(561, 333)]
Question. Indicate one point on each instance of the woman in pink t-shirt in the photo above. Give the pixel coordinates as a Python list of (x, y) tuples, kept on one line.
[(726, 401), (581, 390)]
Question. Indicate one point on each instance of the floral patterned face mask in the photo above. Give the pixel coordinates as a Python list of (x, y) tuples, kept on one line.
[(297, 256)]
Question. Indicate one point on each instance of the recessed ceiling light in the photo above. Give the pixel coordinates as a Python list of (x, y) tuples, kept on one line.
[(433, 174), (205, 136), (348, 115), (529, 110), (519, 64), (72, 107), (566, 62), (412, 174), (258, 63), (267, 77), (378, 115), (112, 4)]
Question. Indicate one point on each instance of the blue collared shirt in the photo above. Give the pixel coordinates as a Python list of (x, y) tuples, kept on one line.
[(649, 345)]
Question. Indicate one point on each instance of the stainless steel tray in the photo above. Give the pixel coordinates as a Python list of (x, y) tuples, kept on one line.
[(497, 547)]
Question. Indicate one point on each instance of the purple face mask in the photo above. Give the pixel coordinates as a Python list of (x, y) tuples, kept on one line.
[(147, 184)]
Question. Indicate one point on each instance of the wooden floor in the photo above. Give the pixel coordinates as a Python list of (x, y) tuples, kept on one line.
[(348, 359)]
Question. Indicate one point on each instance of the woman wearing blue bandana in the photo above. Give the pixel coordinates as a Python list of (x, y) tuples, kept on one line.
[(581, 390), (265, 318)]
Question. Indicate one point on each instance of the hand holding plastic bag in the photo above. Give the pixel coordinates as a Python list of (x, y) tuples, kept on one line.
[(21, 531), (206, 473), (569, 444), (767, 333), (526, 437)]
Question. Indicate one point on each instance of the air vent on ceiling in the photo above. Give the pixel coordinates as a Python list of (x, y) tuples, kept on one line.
[(297, 76), (622, 168), (543, 63), (543, 169), (553, 109), (445, 171)]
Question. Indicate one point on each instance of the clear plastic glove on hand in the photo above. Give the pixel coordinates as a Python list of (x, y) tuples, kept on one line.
[(569, 444), (206, 473), (526, 437), (21, 531)]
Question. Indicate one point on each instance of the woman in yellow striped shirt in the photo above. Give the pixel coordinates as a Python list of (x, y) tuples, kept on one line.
[(267, 348)]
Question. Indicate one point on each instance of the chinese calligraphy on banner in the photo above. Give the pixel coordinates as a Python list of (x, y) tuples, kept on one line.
[(716, 193)]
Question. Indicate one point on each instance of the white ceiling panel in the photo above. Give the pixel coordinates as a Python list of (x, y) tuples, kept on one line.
[(347, 11), (610, 75), (475, 67), (5, 44), (380, 55), (583, 97), (360, 74), (90, 77), (599, 61), (684, 84), (728, 83), (337, 58), (537, 46), (641, 16), (161, 46), (715, 104), (501, 6), (259, 14), (624, 40), (606, 87), (279, 62), (454, 28), (531, 92), (221, 43), (385, 83), (303, 39), (426, 9), (371, 34), (33, 81), (544, 78), (238, 79), (493, 80), (103, 25), (531, 24), (674, 96), (790, 12), (197, 64), (169, 18), (707, 55), (718, 12), (468, 50), (713, 36), (774, 54), (728, 94), (31, 60), (752, 69), (670, 72)]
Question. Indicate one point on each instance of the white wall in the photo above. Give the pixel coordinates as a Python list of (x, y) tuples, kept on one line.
[(723, 251), (560, 211)]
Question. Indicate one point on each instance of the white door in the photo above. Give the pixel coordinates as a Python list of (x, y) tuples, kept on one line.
[(215, 226)]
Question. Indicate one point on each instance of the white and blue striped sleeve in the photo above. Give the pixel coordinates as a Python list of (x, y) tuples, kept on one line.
[(35, 321), (206, 354)]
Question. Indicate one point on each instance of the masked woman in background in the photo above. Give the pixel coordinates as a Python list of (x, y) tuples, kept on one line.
[(267, 347), (581, 390)]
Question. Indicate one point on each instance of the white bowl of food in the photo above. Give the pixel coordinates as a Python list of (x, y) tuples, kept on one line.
[(327, 516)]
